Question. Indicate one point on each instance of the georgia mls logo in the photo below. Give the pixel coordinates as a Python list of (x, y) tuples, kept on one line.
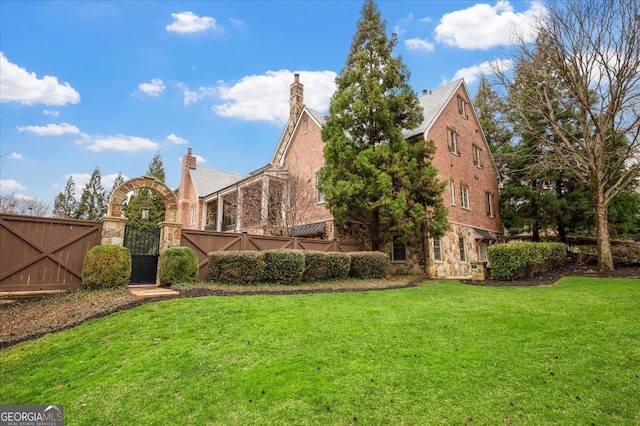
[(31, 415)]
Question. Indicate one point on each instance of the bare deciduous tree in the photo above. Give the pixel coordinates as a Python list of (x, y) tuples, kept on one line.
[(14, 204), (584, 72)]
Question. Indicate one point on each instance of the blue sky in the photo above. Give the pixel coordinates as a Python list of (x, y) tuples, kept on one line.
[(110, 84)]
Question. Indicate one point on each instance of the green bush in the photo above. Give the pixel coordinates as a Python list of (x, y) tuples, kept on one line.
[(178, 265), (316, 266), (524, 259), (106, 267), (284, 266), (369, 264), (339, 265), (237, 267)]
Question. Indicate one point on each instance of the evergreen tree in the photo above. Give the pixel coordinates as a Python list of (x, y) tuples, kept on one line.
[(65, 203), (93, 201), (147, 198), (371, 173)]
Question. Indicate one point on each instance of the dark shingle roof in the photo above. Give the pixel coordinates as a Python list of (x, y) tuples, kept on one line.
[(433, 103)]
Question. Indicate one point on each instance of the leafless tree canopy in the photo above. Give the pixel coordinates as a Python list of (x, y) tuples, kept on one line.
[(10, 203), (581, 80)]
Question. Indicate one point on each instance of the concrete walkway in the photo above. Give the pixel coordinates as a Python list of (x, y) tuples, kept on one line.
[(147, 291)]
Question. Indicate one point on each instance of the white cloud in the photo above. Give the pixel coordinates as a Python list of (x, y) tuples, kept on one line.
[(51, 113), (426, 19), (177, 139), (193, 96), (119, 143), (266, 97), (16, 156), (19, 85), (50, 129), (154, 88), (11, 185), (474, 72), (80, 180), (483, 26), (188, 22), (199, 159), (419, 44)]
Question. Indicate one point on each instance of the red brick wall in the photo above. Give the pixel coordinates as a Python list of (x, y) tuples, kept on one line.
[(461, 168), (187, 196), (304, 158)]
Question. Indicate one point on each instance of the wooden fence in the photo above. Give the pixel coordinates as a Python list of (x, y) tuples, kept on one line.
[(41, 254), (205, 242)]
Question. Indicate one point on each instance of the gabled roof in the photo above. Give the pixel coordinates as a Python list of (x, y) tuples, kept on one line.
[(285, 139), (207, 181), (433, 103)]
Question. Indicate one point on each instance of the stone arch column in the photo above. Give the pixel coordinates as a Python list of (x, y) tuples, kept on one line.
[(113, 223)]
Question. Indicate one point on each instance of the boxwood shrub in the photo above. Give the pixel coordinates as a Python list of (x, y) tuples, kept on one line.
[(316, 266), (237, 267), (106, 267), (178, 265), (284, 266), (524, 259), (339, 265), (369, 264)]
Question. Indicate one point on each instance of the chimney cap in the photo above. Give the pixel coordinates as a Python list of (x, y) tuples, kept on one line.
[(188, 151), (424, 91), (296, 77)]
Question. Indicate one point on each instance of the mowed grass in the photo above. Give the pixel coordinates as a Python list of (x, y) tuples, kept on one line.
[(440, 353)]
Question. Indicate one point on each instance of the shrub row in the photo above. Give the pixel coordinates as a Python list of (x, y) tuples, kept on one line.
[(291, 267), (522, 259), (108, 266)]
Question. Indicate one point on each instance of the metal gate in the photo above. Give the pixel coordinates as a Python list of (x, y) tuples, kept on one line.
[(144, 246)]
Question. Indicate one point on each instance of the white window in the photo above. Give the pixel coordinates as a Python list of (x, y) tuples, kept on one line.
[(193, 215), (463, 250), (462, 107), (452, 188), (398, 249), (437, 250), (489, 202), (464, 196), (453, 141), (477, 154), (482, 252), (305, 124), (320, 194)]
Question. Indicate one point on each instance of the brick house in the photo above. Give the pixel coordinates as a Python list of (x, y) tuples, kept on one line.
[(282, 198)]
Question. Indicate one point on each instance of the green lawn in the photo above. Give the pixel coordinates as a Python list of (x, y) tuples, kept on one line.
[(440, 353)]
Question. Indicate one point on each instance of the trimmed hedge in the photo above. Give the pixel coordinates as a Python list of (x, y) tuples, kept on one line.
[(284, 266), (238, 267), (106, 267), (178, 265), (369, 264), (320, 265), (524, 259)]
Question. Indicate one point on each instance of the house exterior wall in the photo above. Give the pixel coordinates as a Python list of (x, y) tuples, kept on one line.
[(304, 158), (187, 196)]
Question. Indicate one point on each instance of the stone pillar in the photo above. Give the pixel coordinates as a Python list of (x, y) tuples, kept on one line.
[(170, 234), (113, 230)]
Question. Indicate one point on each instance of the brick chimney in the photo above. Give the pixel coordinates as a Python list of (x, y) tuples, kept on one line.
[(296, 98)]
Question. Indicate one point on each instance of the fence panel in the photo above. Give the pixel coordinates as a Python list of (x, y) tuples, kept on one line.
[(205, 242), (41, 254)]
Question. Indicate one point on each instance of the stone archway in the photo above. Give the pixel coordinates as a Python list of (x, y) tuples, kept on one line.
[(113, 224)]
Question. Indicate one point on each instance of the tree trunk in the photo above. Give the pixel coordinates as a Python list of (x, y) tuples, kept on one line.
[(605, 258)]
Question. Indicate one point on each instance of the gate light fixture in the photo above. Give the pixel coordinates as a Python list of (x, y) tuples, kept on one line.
[(144, 213)]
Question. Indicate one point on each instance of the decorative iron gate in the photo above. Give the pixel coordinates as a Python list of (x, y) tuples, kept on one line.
[(144, 246)]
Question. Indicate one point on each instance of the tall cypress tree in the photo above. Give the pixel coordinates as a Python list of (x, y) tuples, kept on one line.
[(65, 204), (93, 201), (371, 173), (147, 198)]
